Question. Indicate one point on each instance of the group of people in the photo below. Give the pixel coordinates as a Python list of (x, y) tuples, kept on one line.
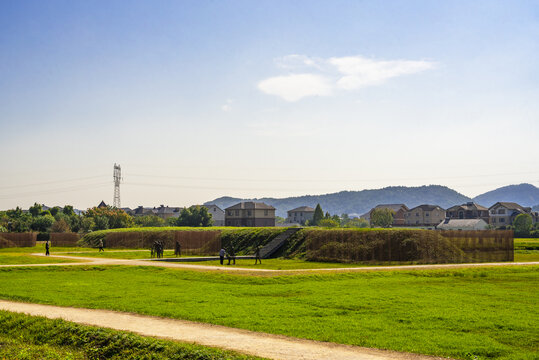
[(230, 255), (157, 249)]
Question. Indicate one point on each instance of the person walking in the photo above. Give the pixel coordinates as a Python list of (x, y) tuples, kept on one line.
[(178, 249), (101, 245), (47, 247), (230, 255), (222, 253), (257, 255)]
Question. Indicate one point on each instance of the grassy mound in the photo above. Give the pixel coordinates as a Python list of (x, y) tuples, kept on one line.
[(381, 245)]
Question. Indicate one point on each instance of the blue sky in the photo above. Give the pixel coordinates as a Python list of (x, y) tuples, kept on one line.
[(199, 99)]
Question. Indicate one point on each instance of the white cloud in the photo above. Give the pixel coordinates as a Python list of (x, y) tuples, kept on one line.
[(360, 72), (326, 76), (296, 86)]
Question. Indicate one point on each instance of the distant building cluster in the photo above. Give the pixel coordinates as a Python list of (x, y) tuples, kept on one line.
[(166, 212), (468, 216)]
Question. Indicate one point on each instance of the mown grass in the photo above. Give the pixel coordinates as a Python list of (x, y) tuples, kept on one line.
[(30, 337), (489, 313), (25, 259), (526, 244), (291, 264), (22, 255), (120, 254), (526, 250)]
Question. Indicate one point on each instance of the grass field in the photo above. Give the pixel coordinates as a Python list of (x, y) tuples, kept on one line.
[(490, 313), (28, 337), (526, 250), (21, 255)]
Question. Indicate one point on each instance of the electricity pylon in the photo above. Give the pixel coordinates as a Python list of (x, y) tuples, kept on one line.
[(117, 178)]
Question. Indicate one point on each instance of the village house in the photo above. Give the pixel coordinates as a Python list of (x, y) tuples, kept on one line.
[(217, 214), (504, 213), (398, 213), (250, 213), (424, 215), (300, 215), (470, 210)]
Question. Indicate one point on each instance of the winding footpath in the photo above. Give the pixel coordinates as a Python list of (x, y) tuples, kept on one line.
[(244, 341)]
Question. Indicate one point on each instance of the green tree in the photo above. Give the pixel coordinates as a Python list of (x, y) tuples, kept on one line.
[(42, 223), (87, 224), (345, 219), (357, 223), (60, 226), (523, 225), (330, 223), (149, 221), (317, 216), (382, 217), (109, 218), (35, 210), (196, 216), (17, 220), (68, 210), (54, 210)]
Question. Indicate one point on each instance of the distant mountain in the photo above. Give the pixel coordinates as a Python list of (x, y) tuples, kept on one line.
[(523, 194), (359, 202)]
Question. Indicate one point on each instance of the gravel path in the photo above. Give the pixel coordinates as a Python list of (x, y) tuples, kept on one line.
[(244, 341), (109, 261)]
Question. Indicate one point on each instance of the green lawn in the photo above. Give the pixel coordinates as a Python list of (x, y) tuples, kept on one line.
[(526, 250), (29, 337), (121, 254), (490, 313), (21, 255), (289, 264), (25, 259)]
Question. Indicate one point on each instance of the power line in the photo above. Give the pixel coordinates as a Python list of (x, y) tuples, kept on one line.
[(51, 182), (55, 191)]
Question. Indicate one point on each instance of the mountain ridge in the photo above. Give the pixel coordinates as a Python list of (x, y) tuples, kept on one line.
[(359, 202)]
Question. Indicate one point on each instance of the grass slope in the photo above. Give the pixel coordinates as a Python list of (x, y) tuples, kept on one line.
[(30, 337), (490, 313)]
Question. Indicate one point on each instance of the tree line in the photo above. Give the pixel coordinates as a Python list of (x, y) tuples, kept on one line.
[(65, 219)]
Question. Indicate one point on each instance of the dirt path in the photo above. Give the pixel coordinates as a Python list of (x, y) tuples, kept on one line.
[(109, 261), (248, 342)]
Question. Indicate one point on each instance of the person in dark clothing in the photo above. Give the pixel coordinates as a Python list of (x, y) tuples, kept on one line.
[(257, 255), (222, 253), (47, 247), (101, 245), (231, 255), (178, 249)]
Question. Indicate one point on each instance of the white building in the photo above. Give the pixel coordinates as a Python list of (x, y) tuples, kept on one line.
[(217, 214)]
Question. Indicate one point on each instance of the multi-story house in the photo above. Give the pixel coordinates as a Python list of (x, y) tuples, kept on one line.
[(504, 213), (470, 210), (398, 212), (424, 215), (250, 213), (217, 214), (300, 215)]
